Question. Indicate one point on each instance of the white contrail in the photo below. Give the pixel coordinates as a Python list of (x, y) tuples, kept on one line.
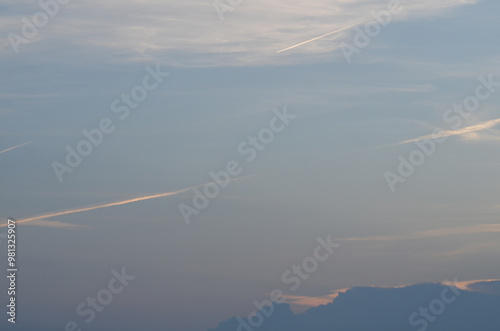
[(325, 35), (449, 133), (111, 204), (17, 146)]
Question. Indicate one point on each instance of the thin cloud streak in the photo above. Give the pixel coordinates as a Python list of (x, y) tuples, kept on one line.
[(17, 146), (111, 204), (448, 133), (59, 225), (325, 35), (89, 208), (474, 229), (473, 128)]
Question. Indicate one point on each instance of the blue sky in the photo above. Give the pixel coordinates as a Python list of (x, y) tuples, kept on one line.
[(322, 175)]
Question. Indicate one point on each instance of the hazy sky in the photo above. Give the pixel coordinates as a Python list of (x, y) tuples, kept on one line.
[(324, 173)]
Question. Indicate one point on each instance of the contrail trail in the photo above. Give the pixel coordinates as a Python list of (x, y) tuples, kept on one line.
[(325, 35), (448, 133), (17, 146), (111, 204)]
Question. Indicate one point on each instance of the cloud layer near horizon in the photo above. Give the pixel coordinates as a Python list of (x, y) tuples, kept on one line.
[(300, 304), (473, 307)]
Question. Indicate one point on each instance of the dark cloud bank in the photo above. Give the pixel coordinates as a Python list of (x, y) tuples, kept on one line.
[(428, 306)]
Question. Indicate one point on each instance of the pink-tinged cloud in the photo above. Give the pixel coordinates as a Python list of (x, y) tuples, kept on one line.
[(16, 147), (106, 205), (300, 304)]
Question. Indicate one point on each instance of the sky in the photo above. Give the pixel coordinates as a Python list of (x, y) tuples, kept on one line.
[(174, 143)]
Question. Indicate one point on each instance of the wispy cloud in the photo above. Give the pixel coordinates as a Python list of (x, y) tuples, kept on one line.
[(472, 286), (470, 249), (106, 205), (468, 133), (467, 130), (161, 31), (300, 303), (17, 146), (475, 136), (466, 230), (60, 225)]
